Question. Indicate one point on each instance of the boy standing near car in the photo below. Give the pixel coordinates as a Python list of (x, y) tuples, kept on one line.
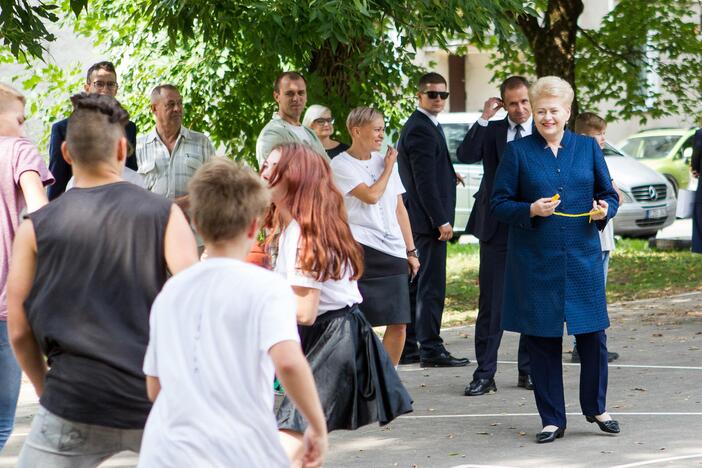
[(486, 141), (590, 124), (77, 332)]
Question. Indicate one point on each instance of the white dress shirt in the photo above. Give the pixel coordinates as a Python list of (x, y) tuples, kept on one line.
[(512, 130)]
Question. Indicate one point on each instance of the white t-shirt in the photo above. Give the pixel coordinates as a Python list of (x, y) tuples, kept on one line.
[(607, 236), (374, 225), (212, 326), (334, 294), (300, 132)]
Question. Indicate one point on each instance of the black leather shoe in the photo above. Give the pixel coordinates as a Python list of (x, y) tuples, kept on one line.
[(610, 426), (480, 387), (524, 381), (612, 356), (443, 359), (545, 437), (411, 359)]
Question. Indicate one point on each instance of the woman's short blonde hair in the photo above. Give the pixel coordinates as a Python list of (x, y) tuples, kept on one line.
[(8, 94), (314, 112), (552, 86), (361, 116)]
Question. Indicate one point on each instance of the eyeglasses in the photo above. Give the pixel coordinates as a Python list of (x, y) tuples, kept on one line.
[(436, 94), (322, 121), (112, 85)]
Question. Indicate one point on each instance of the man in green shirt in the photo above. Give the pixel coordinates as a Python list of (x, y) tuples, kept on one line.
[(290, 92)]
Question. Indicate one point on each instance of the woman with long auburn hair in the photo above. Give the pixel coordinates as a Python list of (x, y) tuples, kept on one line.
[(318, 255)]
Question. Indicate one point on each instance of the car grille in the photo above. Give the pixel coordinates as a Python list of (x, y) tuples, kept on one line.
[(653, 222), (647, 193)]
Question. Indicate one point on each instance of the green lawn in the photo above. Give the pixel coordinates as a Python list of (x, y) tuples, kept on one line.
[(635, 272)]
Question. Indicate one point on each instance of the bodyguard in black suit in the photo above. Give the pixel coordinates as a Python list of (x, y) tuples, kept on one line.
[(101, 79), (486, 142), (696, 168), (430, 183)]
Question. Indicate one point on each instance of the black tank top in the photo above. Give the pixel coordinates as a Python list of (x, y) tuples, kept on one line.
[(100, 265)]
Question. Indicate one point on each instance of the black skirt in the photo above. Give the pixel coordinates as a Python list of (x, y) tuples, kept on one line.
[(384, 287), (356, 382)]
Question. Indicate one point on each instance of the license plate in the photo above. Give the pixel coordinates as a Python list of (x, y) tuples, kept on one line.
[(656, 213)]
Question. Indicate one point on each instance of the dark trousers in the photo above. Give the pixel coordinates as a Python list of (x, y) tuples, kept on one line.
[(547, 375), (488, 329), (427, 294)]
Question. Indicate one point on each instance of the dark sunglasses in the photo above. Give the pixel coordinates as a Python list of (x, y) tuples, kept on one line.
[(436, 94)]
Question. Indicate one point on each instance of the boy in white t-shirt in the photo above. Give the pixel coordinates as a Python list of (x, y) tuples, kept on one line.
[(219, 331), (590, 124)]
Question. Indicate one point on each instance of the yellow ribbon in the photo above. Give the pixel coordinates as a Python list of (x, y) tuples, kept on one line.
[(589, 214)]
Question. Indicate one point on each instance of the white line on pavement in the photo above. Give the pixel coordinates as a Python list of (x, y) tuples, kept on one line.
[(481, 466), (627, 366), (497, 415), (632, 366), (660, 460)]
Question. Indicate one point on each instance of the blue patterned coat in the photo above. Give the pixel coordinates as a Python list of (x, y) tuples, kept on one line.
[(554, 265)]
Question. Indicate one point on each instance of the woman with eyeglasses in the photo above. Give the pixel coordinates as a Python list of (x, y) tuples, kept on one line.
[(319, 119)]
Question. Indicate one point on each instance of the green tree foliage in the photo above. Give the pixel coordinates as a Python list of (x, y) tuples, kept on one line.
[(22, 28), (225, 54), (643, 60)]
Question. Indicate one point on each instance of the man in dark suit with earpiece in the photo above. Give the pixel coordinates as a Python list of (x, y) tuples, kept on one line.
[(486, 141), (430, 182)]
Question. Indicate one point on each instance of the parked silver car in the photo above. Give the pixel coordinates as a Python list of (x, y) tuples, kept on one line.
[(649, 199)]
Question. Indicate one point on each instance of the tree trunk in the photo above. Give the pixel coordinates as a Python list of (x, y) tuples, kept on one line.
[(553, 44)]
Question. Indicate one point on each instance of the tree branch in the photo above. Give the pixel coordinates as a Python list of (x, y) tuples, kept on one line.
[(607, 51)]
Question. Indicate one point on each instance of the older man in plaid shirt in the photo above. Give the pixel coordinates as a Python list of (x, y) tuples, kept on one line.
[(169, 155)]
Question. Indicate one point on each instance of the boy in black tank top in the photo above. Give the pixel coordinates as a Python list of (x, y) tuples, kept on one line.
[(85, 271)]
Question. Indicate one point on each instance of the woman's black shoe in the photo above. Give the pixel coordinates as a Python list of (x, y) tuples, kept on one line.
[(610, 426), (544, 437)]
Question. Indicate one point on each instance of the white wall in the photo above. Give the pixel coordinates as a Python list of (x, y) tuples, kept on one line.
[(66, 52)]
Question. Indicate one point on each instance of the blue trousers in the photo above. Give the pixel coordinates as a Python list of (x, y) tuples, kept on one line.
[(10, 380), (547, 375)]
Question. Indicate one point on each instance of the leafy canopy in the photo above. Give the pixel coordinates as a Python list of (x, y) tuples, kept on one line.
[(643, 61), (225, 54)]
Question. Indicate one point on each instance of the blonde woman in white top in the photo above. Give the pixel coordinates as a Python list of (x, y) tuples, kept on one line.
[(379, 222)]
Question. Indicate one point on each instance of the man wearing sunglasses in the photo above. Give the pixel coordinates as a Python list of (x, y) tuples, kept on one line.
[(430, 183), (101, 79)]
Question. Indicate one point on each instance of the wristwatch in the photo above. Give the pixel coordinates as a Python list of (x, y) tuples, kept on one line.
[(412, 253)]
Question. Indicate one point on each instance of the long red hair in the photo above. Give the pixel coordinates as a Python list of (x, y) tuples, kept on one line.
[(327, 247)]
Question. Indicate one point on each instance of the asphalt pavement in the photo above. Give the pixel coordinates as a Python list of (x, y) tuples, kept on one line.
[(655, 391)]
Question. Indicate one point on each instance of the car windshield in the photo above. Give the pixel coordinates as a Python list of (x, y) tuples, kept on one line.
[(610, 150), (650, 147), (454, 136)]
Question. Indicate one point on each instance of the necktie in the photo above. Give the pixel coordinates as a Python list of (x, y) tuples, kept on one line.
[(518, 131), (441, 130)]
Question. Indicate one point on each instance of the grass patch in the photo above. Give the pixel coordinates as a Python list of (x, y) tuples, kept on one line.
[(461, 285), (635, 272), (638, 272)]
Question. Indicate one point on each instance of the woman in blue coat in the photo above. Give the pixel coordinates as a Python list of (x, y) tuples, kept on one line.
[(554, 261)]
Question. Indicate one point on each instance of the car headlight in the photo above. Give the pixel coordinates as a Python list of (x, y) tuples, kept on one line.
[(627, 198)]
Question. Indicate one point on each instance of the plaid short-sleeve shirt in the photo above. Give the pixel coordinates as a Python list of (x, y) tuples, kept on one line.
[(168, 174)]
